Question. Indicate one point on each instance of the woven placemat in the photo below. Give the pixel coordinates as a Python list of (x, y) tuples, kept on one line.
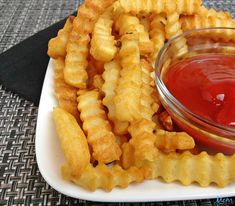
[(20, 180)]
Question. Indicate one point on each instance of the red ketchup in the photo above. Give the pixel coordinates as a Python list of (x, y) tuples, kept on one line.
[(205, 85)]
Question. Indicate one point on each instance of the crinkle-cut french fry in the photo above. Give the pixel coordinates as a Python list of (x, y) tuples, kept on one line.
[(196, 22), (142, 140), (166, 121), (188, 6), (104, 177), (103, 43), (98, 82), (65, 94), (73, 141), (205, 13), (188, 168), (57, 45), (98, 129), (75, 73), (111, 76), (157, 33), (127, 24), (127, 99), (172, 29), (159, 6), (146, 102), (173, 26), (173, 140), (88, 13)]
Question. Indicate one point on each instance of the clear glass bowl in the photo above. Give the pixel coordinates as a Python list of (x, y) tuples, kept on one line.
[(209, 135)]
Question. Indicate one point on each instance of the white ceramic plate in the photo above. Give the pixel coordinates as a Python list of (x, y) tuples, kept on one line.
[(50, 159)]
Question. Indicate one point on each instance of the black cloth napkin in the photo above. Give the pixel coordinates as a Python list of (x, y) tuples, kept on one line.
[(23, 67)]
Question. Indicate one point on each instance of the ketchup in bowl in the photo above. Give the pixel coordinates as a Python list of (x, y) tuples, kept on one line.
[(195, 78), (205, 85)]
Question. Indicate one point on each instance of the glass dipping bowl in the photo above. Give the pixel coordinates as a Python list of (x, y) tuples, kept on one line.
[(209, 135)]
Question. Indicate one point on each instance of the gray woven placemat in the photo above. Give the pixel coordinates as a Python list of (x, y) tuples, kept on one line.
[(20, 180)]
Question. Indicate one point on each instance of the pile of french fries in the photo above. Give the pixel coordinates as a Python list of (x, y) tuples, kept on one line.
[(110, 122)]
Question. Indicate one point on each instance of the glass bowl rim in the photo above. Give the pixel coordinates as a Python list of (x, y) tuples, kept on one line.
[(159, 82)]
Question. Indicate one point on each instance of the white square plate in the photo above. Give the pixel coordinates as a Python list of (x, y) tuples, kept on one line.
[(50, 159)]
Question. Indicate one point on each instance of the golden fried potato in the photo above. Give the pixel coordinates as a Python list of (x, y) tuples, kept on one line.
[(142, 140), (157, 33), (188, 7), (98, 129), (102, 43), (188, 168), (172, 29), (153, 6), (173, 140), (73, 142), (57, 45), (173, 26), (104, 177), (75, 73), (127, 99), (196, 22)]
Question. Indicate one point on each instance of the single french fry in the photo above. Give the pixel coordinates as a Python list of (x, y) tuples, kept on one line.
[(188, 7), (196, 22), (102, 43), (188, 168), (172, 29), (142, 140), (173, 26), (75, 73), (127, 99), (173, 140), (157, 33), (153, 6), (104, 177), (73, 142), (57, 45), (98, 129)]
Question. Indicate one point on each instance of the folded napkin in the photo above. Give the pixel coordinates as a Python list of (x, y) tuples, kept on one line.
[(23, 67)]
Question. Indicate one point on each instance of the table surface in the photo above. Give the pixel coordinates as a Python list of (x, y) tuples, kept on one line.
[(20, 180)]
